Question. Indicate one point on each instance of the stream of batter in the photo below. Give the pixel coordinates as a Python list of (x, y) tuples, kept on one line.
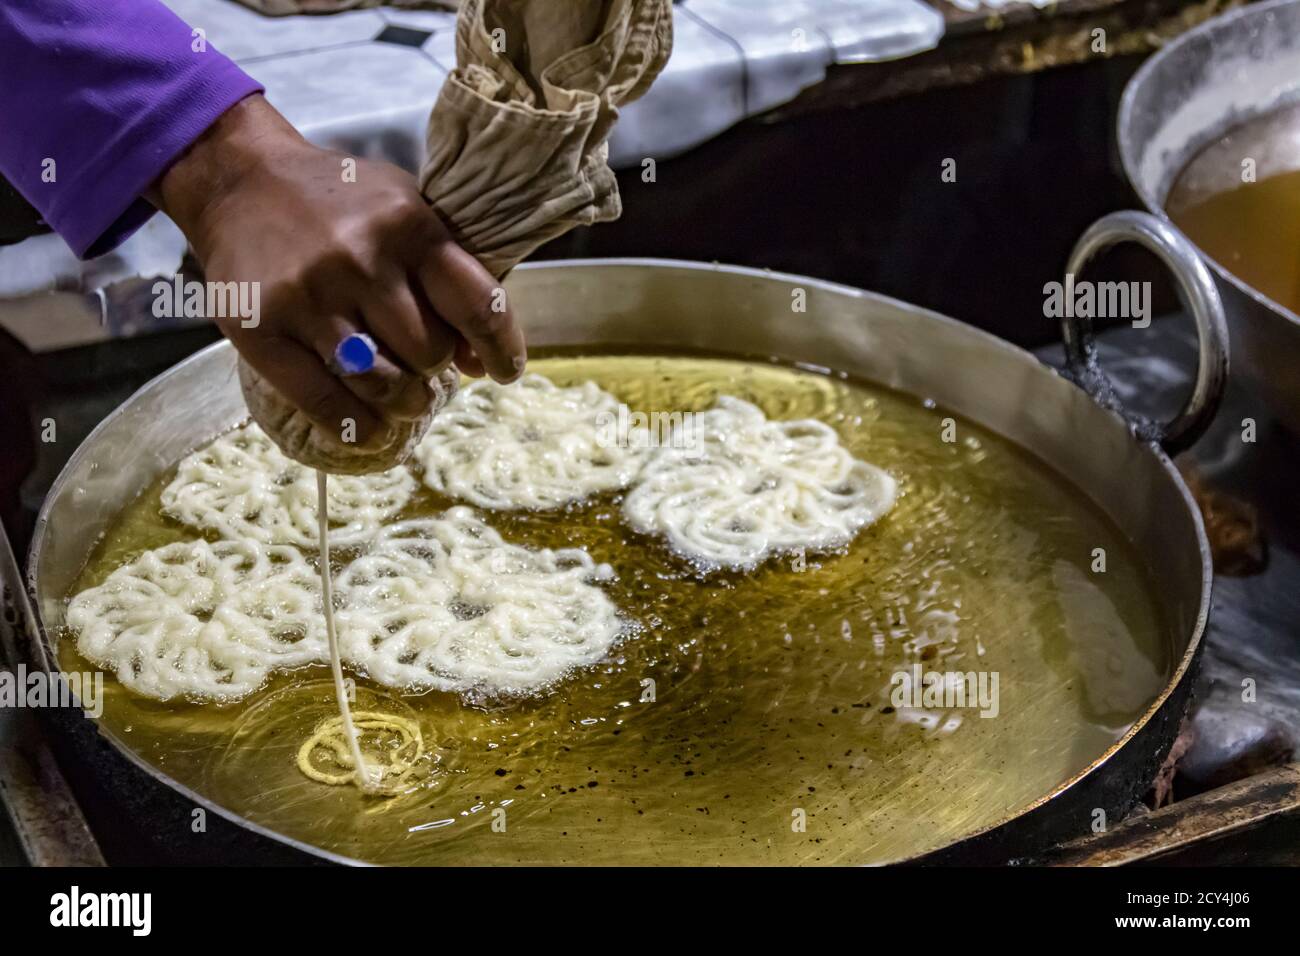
[(371, 778)]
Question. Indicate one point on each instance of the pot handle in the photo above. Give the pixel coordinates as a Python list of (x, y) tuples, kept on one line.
[(1199, 295)]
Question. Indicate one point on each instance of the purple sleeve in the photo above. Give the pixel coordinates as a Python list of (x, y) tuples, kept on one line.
[(97, 99)]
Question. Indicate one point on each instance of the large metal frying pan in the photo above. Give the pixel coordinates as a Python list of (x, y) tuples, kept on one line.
[(1231, 69), (643, 305)]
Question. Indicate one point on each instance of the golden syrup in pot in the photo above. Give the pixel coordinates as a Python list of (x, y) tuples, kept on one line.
[(751, 718), (1239, 201)]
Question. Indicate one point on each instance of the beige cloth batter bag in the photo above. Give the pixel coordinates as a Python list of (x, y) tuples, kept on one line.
[(517, 155)]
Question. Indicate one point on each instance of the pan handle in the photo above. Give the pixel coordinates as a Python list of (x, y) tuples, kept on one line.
[(1199, 295)]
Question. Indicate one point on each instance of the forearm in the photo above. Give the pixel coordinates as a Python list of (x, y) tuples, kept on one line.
[(249, 140), (96, 101)]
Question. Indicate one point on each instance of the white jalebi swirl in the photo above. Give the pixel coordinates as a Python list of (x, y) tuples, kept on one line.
[(243, 487), (745, 488), (202, 620), (328, 755), (445, 603), (530, 444)]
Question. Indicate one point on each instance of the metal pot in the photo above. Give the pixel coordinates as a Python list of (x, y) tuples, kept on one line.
[(639, 305), (1234, 68)]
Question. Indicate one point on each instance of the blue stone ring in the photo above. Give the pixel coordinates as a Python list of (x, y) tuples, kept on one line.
[(355, 355)]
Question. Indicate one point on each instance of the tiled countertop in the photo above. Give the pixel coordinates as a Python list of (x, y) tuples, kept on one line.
[(364, 82), (349, 75)]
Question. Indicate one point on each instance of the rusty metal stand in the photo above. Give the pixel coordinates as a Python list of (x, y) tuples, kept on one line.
[(46, 820)]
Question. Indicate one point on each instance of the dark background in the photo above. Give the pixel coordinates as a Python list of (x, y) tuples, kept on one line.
[(856, 196)]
